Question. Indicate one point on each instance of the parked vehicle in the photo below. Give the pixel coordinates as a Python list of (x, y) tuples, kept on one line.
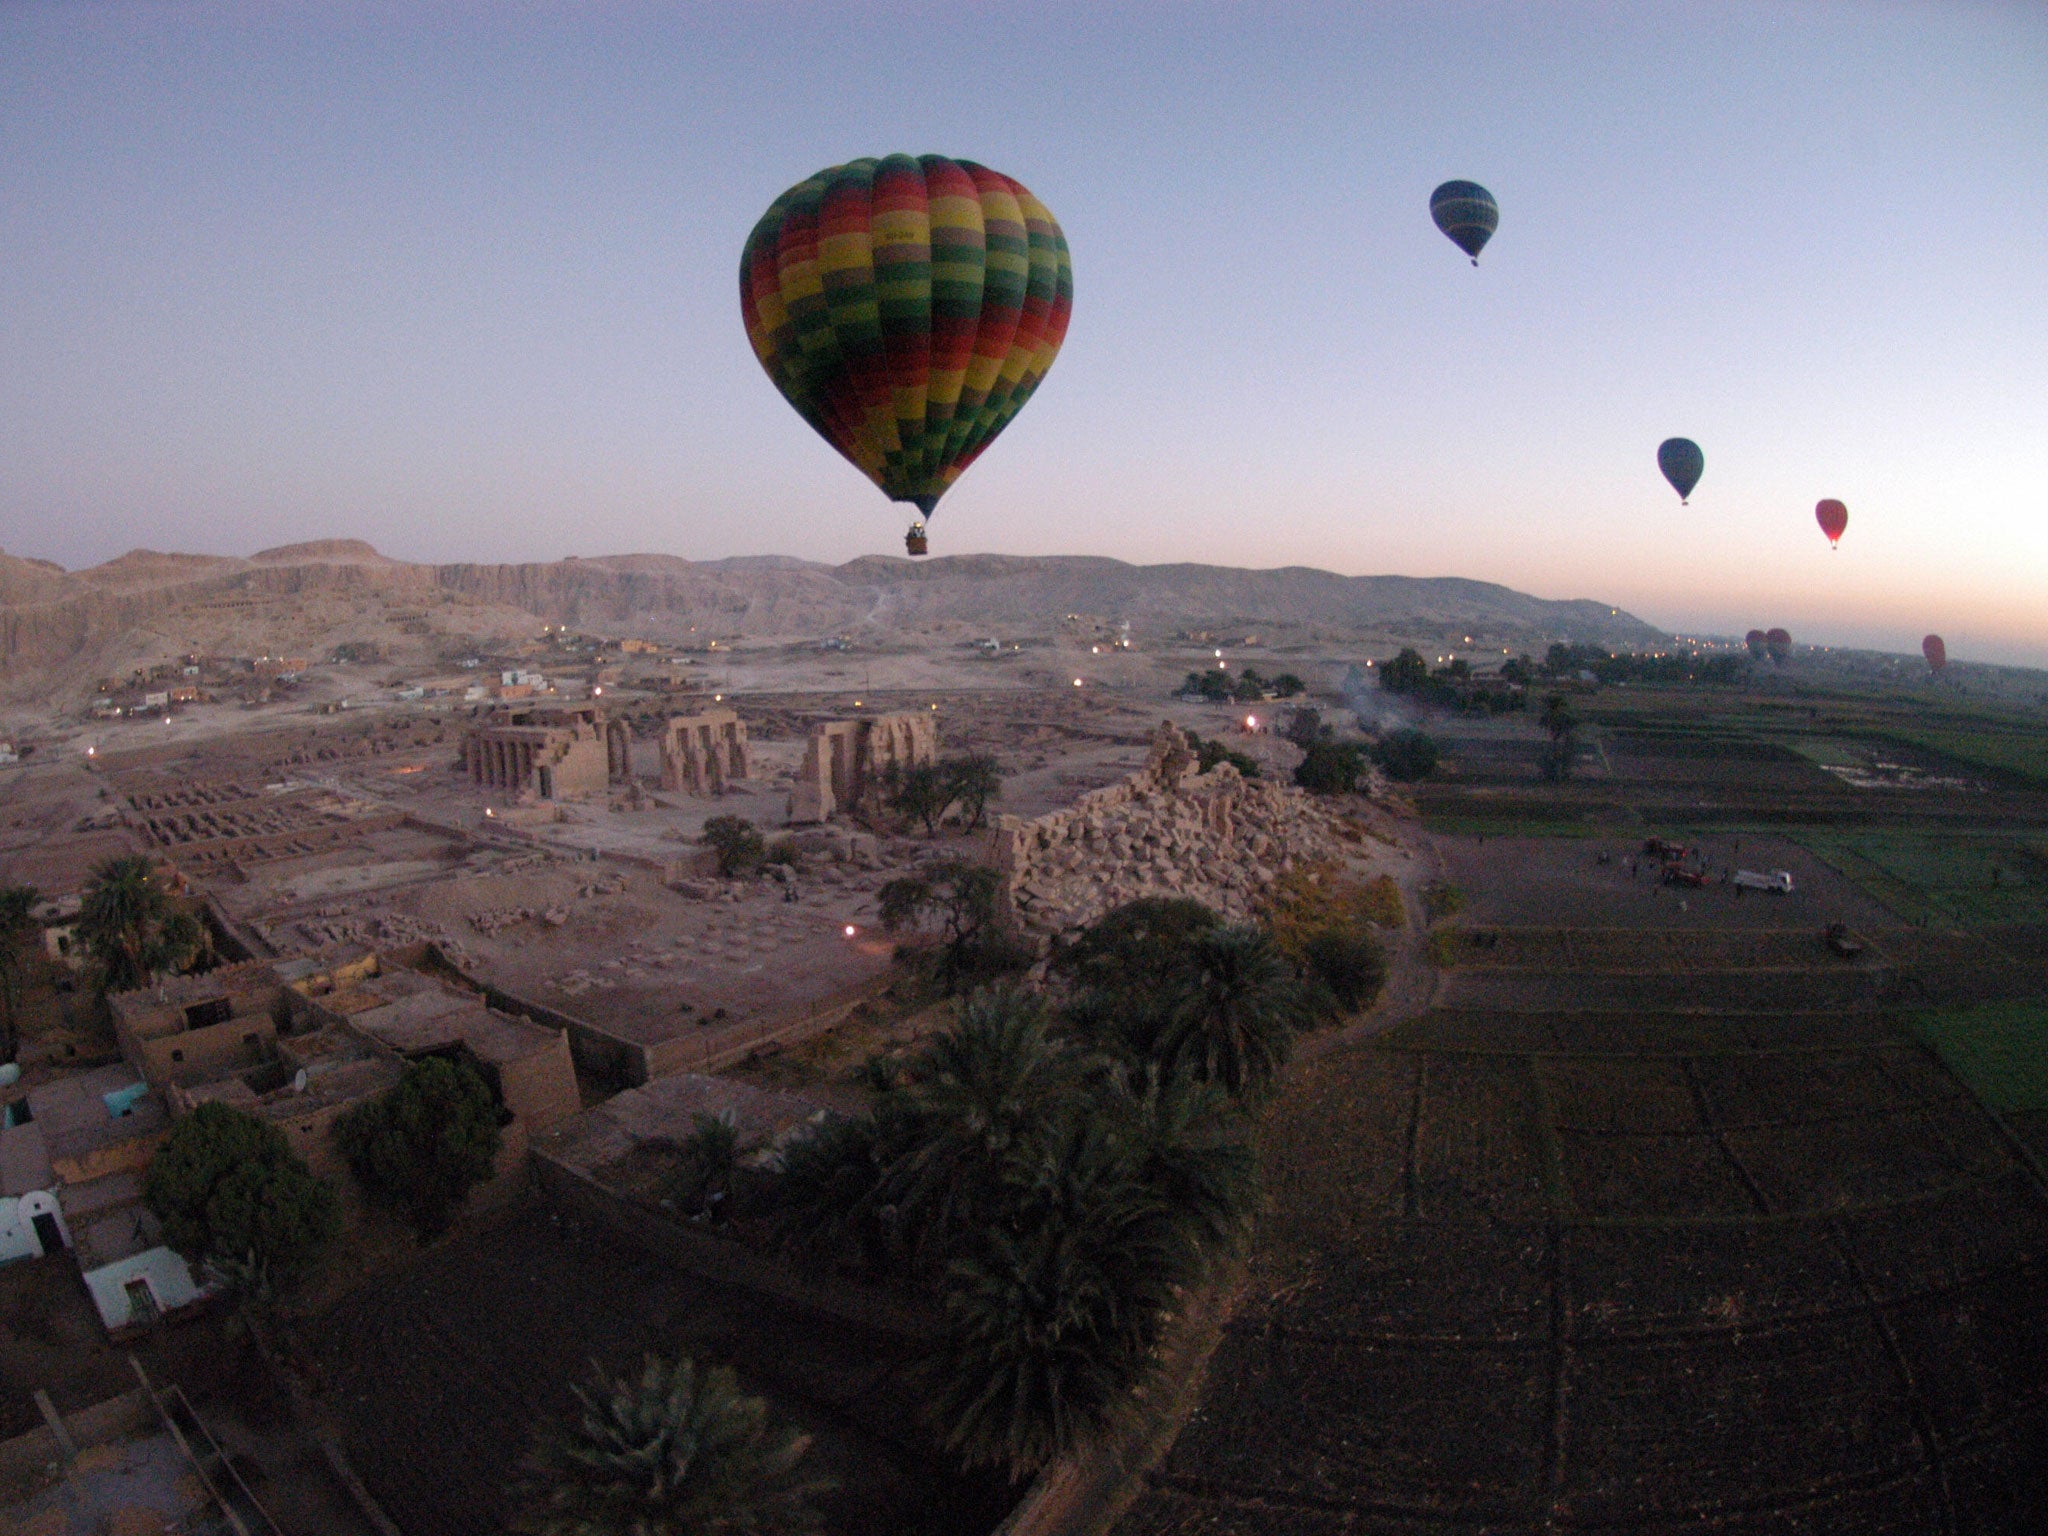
[(1680, 874), (1779, 880)]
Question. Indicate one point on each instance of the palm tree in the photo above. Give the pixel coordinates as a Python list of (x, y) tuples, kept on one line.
[(130, 927), (1053, 1316), (1230, 1010), (1184, 1142), (123, 907), (967, 1110), (680, 1452), (17, 927)]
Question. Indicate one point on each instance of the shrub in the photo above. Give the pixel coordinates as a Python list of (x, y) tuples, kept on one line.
[(1441, 899), (422, 1147), (1211, 752), (704, 1175), (1406, 755), (231, 1193), (737, 842), (678, 1452)]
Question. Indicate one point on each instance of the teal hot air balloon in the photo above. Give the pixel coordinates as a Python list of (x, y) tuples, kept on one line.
[(1467, 213), (1682, 462)]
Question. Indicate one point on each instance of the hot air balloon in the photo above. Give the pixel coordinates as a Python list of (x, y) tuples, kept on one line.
[(1779, 643), (907, 307), (1466, 212), (1757, 646), (1681, 460), (1833, 517), (1936, 653)]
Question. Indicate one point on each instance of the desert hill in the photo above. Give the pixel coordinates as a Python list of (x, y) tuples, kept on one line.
[(317, 594)]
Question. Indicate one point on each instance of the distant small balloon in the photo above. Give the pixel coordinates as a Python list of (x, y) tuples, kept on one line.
[(1467, 213), (1833, 517), (1682, 462), (1758, 647), (1778, 643), (1936, 653)]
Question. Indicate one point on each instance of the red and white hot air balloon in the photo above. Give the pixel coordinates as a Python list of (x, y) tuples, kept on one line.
[(1833, 518)]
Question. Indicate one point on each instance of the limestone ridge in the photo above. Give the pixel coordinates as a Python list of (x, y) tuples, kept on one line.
[(1216, 837), (49, 616)]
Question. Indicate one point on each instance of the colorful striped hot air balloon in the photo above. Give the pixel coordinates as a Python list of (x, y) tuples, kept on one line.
[(1935, 649), (907, 307), (1683, 463), (1467, 213), (1833, 518)]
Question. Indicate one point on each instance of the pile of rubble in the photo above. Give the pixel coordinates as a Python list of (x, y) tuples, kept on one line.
[(1216, 837)]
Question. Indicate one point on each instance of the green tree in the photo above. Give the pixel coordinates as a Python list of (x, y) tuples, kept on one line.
[(1127, 949), (19, 933), (680, 1451), (974, 781), (1406, 755), (231, 1194), (130, 927), (922, 793), (962, 899), (1287, 685), (737, 843), (1330, 767), (1562, 724), (423, 1146), (1406, 673)]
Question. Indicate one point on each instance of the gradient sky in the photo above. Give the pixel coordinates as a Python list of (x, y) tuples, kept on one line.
[(461, 280)]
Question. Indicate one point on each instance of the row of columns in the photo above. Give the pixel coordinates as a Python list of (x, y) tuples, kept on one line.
[(501, 764)]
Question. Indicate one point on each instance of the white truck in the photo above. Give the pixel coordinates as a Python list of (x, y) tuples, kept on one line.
[(1779, 880)]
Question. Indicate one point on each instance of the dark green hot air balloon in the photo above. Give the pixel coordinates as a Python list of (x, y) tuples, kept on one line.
[(1465, 211), (1682, 462)]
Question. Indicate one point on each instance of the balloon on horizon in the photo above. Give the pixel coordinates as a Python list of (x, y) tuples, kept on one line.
[(1936, 652), (1467, 214), (1682, 463), (907, 308), (1833, 518), (1758, 644), (1778, 643)]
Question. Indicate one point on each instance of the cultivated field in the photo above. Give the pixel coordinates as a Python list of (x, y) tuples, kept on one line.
[(1665, 1218)]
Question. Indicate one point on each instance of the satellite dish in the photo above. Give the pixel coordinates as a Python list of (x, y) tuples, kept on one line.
[(299, 1081)]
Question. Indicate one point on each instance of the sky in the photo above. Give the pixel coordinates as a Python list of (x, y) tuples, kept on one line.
[(461, 280)]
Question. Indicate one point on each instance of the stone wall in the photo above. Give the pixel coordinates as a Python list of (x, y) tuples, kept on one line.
[(1216, 837)]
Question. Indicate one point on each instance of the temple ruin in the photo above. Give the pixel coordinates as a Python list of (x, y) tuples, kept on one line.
[(559, 753), (703, 754), (846, 761)]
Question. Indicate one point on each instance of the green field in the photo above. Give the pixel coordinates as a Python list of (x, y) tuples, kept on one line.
[(1999, 1049), (1961, 877), (2022, 753)]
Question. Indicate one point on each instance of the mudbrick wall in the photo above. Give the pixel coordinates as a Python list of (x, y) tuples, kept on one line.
[(1216, 837)]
